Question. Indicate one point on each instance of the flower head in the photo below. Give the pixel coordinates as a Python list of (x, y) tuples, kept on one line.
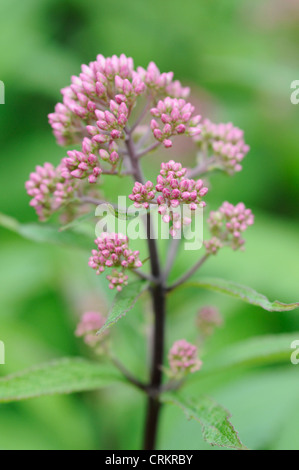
[(90, 91), (49, 190), (227, 225), (176, 190), (143, 194), (208, 319), (117, 280), (109, 124), (81, 165), (183, 358), (90, 324), (176, 118), (225, 144), (113, 252), (213, 245), (67, 126), (95, 94)]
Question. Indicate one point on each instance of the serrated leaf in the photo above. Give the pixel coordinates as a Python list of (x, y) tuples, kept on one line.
[(264, 350), (217, 430), (59, 377), (45, 233), (124, 302), (244, 293)]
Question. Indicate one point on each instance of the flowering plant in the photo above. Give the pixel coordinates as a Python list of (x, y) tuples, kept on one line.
[(117, 115)]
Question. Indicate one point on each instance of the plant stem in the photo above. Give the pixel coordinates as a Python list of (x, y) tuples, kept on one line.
[(156, 377), (204, 167), (154, 406), (189, 273), (149, 149), (127, 374), (94, 201), (171, 255), (159, 307), (145, 276), (141, 116)]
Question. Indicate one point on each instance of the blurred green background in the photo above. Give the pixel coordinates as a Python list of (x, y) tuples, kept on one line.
[(240, 57)]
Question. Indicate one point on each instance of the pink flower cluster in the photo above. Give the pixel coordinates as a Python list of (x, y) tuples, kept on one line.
[(128, 91), (143, 194), (208, 319), (213, 245), (117, 280), (49, 190), (67, 126), (227, 225), (105, 79), (81, 165), (225, 143), (96, 108), (176, 190), (183, 359), (113, 252), (176, 117), (90, 324), (86, 94), (110, 123)]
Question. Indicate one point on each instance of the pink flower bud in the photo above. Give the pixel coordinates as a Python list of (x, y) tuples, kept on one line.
[(167, 143), (154, 125), (100, 89), (183, 359), (119, 82), (115, 134), (127, 87), (158, 134), (114, 157), (120, 98), (110, 118), (104, 154)]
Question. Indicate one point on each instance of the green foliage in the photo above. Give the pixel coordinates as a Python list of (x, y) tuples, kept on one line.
[(214, 419), (244, 293), (45, 233), (59, 377), (124, 302), (264, 350)]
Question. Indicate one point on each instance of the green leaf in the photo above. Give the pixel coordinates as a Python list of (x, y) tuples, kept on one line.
[(9, 223), (60, 377), (44, 233), (124, 302), (264, 350), (244, 293), (217, 430)]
